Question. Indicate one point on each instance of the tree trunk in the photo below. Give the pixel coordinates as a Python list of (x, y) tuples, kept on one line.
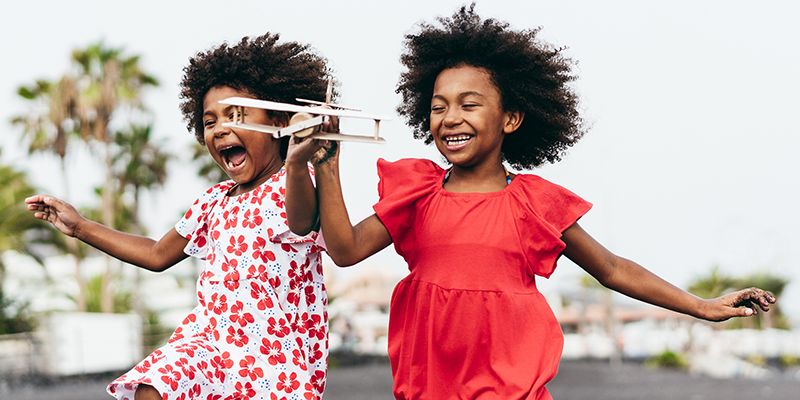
[(107, 209), (72, 244)]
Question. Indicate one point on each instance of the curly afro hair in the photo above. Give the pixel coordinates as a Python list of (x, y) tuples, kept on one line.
[(532, 77), (262, 67)]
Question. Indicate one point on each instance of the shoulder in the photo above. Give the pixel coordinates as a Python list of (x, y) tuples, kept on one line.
[(555, 204), (536, 186), (407, 176), (409, 165)]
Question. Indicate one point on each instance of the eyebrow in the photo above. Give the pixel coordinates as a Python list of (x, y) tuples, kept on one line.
[(460, 95), (224, 111)]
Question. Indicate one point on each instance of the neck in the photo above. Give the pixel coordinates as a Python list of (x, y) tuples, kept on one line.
[(271, 169), (487, 177)]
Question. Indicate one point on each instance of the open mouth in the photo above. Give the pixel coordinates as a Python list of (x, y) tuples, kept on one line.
[(233, 156)]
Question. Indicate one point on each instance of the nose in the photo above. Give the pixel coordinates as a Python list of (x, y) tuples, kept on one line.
[(452, 117), (220, 131)]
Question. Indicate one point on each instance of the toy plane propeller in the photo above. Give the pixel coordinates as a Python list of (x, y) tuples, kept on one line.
[(305, 118)]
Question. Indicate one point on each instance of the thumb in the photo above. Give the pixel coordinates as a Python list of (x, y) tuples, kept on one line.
[(51, 201), (745, 311)]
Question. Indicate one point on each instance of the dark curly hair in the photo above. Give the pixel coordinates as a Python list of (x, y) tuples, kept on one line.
[(532, 77), (261, 67)]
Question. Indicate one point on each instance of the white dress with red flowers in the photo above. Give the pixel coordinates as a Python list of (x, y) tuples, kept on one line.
[(259, 330)]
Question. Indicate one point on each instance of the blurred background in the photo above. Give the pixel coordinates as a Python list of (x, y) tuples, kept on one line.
[(689, 160)]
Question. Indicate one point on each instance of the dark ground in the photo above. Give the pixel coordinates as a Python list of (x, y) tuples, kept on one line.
[(577, 380)]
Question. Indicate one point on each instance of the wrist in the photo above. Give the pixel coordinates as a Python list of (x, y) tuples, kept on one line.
[(79, 230), (331, 164), (701, 309), (295, 165)]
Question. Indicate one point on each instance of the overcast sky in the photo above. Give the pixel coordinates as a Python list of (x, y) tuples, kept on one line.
[(692, 105)]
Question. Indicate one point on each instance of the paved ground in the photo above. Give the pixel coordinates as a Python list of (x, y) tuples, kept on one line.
[(576, 381)]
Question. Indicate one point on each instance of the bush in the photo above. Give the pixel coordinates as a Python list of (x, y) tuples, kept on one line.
[(14, 316), (667, 359)]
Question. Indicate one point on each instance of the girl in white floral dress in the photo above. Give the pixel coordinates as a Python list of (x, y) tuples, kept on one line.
[(259, 329)]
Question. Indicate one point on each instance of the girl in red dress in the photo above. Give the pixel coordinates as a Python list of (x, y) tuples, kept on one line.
[(259, 329), (468, 321)]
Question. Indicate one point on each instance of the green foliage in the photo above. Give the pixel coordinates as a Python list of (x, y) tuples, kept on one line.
[(18, 228), (713, 285), (759, 360), (790, 360), (14, 316), (208, 169), (121, 302), (82, 104), (154, 333), (667, 359), (589, 282)]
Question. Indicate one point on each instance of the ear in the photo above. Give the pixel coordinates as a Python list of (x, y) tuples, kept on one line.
[(512, 122), (280, 118)]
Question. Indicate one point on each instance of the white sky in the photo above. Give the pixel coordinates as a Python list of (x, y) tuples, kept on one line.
[(692, 105)]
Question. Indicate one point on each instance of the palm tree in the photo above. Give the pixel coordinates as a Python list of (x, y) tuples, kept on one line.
[(107, 80), (713, 285), (51, 122), (47, 127), (140, 165)]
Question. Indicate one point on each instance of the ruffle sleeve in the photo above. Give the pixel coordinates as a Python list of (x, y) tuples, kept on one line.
[(194, 224), (279, 231), (404, 188), (544, 211)]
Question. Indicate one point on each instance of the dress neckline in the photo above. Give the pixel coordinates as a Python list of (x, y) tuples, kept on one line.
[(441, 190), (235, 185)]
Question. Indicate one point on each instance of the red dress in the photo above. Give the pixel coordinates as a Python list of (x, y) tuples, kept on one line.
[(468, 321)]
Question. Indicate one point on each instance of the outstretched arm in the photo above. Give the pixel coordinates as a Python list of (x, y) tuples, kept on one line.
[(133, 249), (631, 279), (347, 244)]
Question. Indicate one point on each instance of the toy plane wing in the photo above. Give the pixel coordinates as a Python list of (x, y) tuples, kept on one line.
[(317, 110), (309, 117)]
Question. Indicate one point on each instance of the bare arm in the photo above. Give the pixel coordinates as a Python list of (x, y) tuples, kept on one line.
[(347, 244), (631, 279), (137, 250), (301, 198), (302, 206)]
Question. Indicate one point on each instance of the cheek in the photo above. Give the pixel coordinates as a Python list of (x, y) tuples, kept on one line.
[(434, 122)]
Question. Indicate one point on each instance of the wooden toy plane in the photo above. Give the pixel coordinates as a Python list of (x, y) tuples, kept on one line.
[(305, 118)]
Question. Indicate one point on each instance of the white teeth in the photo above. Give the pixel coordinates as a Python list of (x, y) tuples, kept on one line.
[(457, 140)]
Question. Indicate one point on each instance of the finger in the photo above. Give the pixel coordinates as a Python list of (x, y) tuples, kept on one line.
[(746, 311), (771, 297), (51, 202), (331, 125), (763, 301), (37, 198), (759, 296)]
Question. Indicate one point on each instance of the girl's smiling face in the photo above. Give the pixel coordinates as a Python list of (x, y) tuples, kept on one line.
[(467, 119), (248, 157)]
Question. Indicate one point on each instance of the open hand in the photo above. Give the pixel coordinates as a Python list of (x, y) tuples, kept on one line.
[(59, 213), (743, 303)]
